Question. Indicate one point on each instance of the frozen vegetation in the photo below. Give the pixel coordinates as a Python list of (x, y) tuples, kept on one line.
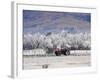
[(50, 41)]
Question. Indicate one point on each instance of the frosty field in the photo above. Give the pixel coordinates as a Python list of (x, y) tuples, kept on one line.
[(77, 58)]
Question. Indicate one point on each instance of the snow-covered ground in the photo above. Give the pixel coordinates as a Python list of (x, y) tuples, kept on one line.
[(41, 52), (77, 58), (34, 52)]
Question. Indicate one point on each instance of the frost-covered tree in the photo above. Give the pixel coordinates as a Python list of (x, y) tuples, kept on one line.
[(53, 40)]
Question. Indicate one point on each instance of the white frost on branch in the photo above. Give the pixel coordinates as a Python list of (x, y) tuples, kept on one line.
[(62, 39)]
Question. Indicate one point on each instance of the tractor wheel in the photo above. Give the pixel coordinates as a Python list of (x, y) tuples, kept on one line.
[(68, 52)]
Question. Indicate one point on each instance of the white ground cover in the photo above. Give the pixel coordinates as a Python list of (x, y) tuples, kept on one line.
[(78, 58)]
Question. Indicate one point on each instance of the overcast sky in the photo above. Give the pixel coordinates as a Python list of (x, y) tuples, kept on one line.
[(47, 21)]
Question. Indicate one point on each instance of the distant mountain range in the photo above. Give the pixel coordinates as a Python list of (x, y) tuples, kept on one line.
[(45, 22)]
